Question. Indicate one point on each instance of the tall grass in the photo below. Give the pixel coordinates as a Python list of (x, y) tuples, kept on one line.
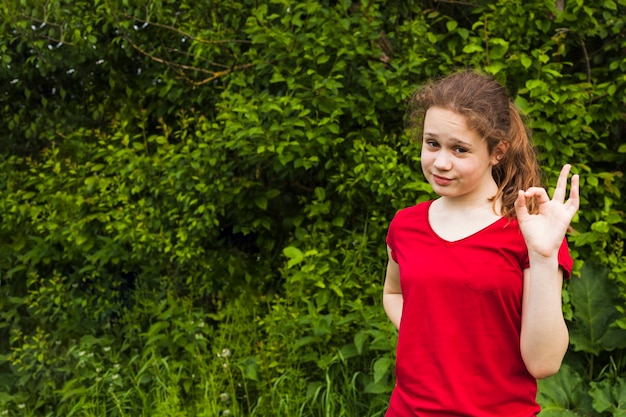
[(176, 365)]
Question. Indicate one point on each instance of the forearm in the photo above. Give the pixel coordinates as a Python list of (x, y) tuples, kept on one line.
[(392, 304), (392, 292), (544, 335)]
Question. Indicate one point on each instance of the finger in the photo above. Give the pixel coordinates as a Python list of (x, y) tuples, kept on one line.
[(574, 193), (561, 184), (539, 193), (520, 205)]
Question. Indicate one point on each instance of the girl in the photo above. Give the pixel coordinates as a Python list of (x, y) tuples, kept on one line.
[(474, 277)]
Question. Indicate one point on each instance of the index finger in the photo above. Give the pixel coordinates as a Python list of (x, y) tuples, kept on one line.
[(561, 184)]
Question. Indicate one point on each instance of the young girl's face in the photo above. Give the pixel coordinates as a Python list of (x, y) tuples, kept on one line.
[(455, 159)]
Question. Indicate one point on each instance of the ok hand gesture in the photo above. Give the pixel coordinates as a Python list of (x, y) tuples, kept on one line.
[(544, 231)]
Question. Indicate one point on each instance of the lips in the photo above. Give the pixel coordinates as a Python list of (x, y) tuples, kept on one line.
[(441, 180)]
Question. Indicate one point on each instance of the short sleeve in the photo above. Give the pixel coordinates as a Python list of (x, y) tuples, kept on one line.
[(402, 228), (390, 243), (565, 259)]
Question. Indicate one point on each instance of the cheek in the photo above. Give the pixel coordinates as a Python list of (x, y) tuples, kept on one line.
[(425, 159)]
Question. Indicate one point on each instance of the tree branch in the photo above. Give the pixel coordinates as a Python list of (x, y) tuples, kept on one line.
[(185, 34), (182, 68)]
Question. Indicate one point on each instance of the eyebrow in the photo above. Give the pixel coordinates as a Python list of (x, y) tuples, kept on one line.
[(455, 141)]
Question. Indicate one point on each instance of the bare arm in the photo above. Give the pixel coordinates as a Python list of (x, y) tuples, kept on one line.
[(544, 336), (392, 292)]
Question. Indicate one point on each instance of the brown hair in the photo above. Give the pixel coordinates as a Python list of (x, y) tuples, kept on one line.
[(491, 113)]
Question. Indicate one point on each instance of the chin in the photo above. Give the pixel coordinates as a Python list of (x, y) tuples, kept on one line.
[(442, 191)]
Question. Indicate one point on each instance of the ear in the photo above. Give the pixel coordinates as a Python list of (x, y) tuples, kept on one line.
[(499, 151)]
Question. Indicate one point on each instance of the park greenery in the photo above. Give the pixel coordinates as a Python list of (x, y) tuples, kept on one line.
[(195, 195)]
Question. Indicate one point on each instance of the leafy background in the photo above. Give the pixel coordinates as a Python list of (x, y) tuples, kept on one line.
[(195, 195)]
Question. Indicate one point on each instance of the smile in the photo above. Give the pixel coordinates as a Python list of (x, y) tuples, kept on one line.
[(441, 180)]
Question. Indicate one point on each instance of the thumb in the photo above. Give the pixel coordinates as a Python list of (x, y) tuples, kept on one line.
[(521, 211)]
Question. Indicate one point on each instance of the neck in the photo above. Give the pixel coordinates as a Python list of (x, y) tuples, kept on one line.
[(470, 205)]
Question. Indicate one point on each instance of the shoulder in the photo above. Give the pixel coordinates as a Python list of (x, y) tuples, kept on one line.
[(409, 220), (407, 226), (510, 241), (412, 213), (510, 224)]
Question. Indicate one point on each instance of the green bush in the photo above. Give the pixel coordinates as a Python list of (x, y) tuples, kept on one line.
[(195, 195)]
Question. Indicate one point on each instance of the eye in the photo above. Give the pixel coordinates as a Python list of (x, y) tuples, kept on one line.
[(431, 143), (460, 149)]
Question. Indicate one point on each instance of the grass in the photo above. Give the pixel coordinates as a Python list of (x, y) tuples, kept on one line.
[(166, 361)]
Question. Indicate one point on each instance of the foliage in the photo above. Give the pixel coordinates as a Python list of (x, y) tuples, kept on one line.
[(195, 195)]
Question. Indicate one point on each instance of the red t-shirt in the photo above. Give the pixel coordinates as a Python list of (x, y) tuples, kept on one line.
[(458, 350)]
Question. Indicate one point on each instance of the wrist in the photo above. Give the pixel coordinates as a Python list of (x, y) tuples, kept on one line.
[(543, 249), (542, 258)]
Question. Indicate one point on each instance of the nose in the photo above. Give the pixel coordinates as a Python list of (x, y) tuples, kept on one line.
[(443, 161)]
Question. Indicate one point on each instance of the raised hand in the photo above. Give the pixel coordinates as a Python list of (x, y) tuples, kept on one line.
[(544, 231)]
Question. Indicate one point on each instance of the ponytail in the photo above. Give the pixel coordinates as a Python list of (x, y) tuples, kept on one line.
[(518, 168)]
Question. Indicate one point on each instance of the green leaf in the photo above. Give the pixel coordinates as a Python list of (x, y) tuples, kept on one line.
[(377, 388), (249, 368), (339, 221), (348, 351), (468, 49), (495, 68), (294, 254), (562, 393), (594, 297), (272, 193), (304, 341), (497, 48), (522, 103), (359, 341), (320, 193), (600, 226), (609, 396), (261, 202), (464, 33), (381, 367)]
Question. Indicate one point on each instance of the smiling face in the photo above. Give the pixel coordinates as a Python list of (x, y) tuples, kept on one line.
[(455, 159)]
